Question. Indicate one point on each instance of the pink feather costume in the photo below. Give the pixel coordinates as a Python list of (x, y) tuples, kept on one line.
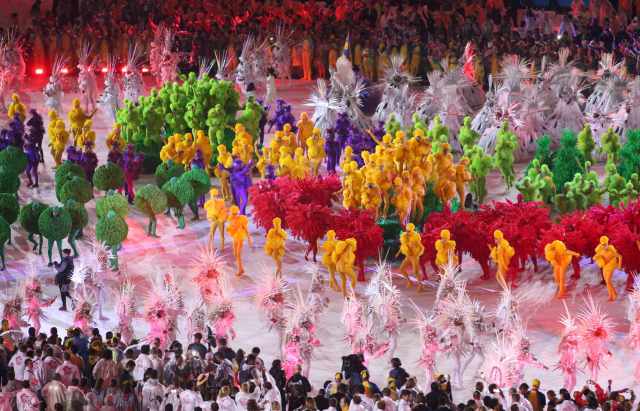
[(271, 298), (633, 315), (595, 330), (35, 302), (126, 311), (162, 307), (568, 350)]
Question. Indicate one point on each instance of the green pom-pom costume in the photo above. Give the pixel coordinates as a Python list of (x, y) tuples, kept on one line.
[(9, 208), (79, 219), (55, 224), (179, 193), (200, 182), (108, 177), (112, 230), (167, 170), (9, 181), (28, 218), (5, 235), (14, 159), (151, 200), (112, 201)]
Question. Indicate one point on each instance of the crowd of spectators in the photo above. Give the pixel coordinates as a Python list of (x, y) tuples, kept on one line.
[(99, 372), (429, 31)]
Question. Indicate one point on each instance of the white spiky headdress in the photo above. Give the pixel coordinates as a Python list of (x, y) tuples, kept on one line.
[(633, 299), (134, 57), (595, 327), (163, 299), (209, 268), (325, 106), (222, 64)]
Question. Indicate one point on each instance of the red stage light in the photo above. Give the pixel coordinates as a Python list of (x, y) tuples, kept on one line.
[(64, 70), (39, 71), (104, 70), (145, 70), (124, 70)]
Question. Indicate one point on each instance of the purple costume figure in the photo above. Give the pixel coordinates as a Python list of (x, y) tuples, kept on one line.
[(115, 155), (281, 116), (33, 159), (342, 129), (36, 132), (130, 168), (240, 182), (332, 149), (73, 155), (89, 161), (263, 121), (270, 172), (13, 136), (198, 162)]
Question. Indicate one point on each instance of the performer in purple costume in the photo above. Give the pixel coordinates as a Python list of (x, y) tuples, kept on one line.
[(33, 159), (240, 182), (89, 160), (115, 155), (131, 165), (36, 132), (281, 116), (342, 129), (332, 149), (73, 155)]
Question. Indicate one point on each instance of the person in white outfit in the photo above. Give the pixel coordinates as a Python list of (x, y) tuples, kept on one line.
[(190, 399), (143, 363), (152, 392), (225, 402)]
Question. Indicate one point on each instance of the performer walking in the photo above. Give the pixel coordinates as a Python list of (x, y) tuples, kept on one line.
[(63, 277)]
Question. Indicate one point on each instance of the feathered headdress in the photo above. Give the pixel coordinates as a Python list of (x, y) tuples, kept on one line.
[(272, 298), (595, 326), (222, 64), (85, 61), (134, 57), (353, 318), (450, 281), (58, 64), (325, 106), (209, 267)]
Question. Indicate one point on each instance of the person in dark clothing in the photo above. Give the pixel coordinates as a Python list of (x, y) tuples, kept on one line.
[(225, 351), (436, 398), (322, 402), (64, 272), (280, 378), (197, 346), (398, 373), (298, 387)]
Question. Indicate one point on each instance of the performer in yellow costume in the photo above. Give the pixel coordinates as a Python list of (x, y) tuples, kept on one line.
[(445, 250), (501, 254), (315, 150), (559, 257), (217, 214), (16, 107), (305, 129), (411, 248), (238, 229), (328, 247), (58, 141), (344, 258), (274, 245), (463, 176), (608, 259), (224, 158)]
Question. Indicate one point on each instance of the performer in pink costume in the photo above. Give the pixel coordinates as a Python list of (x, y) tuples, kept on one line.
[(633, 315), (568, 350), (222, 316), (353, 320), (372, 348), (292, 356), (35, 302), (87, 83), (83, 313), (27, 400), (126, 311), (429, 342), (12, 311), (595, 330), (525, 358), (271, 298), (210, 269), (163, 304), (385, 305)]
